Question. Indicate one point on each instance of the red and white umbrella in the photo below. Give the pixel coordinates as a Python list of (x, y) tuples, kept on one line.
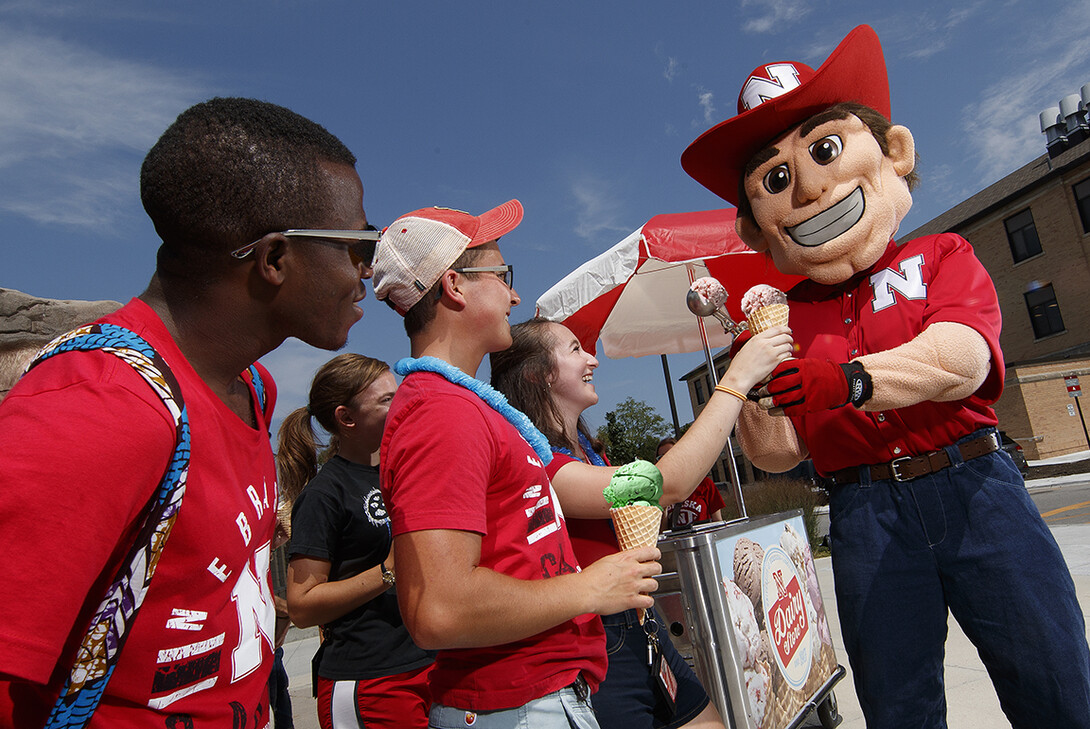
[(633, 295)]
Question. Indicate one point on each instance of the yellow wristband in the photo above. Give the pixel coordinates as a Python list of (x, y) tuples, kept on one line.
[(729, 391)]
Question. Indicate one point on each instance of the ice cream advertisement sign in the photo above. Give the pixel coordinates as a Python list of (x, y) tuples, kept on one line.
[(781, 635), (786, 616)]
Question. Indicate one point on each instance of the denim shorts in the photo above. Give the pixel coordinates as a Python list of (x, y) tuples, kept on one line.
[(627, 698), (563, 709)]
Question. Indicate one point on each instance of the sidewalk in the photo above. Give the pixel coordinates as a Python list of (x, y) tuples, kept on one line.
[(971, 701)]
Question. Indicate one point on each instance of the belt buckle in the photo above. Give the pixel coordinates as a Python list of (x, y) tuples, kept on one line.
[(895, 464)]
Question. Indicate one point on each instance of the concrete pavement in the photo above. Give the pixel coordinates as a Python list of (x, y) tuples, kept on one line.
[(971, 701)]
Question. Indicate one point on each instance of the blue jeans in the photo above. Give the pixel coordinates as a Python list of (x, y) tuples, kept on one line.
[(627, 698), (967, 540), (279, 698)]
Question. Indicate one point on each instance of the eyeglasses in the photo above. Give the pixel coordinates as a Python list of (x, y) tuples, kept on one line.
[(505, 273), (361, 250)]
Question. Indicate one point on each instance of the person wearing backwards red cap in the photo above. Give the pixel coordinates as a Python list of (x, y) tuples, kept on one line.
[(486, 572), (891, 397)]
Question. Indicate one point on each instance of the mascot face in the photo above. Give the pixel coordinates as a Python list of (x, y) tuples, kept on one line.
[(827, 203)]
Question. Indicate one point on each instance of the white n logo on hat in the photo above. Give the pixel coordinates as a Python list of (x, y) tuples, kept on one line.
[(782, 77)]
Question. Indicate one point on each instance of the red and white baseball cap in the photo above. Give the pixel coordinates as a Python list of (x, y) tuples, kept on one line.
[(418, 247), (779, 96)]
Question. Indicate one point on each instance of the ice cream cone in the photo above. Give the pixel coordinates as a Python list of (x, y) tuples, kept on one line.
[(637, 526), (773, 315)]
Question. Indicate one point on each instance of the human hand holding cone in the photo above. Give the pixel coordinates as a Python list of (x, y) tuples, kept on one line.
[(634, 491)]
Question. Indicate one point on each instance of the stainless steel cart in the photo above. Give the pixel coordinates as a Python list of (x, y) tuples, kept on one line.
[(786, 673)]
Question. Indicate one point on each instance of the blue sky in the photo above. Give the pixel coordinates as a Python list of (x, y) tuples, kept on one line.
[(579, 109)]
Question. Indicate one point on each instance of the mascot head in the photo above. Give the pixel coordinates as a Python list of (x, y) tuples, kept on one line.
[(820, 177)]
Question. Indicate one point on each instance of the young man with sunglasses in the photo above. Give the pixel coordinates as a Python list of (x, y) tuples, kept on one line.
[(264, 237), (486, 573)]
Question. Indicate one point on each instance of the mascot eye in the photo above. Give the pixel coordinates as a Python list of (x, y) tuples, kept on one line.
[(777, 179), (826, 149)]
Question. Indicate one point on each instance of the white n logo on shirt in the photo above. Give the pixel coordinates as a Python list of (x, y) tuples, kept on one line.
[(909, 283), (254, 602)]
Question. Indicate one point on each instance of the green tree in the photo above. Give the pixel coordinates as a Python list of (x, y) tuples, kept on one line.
[(632, 431)]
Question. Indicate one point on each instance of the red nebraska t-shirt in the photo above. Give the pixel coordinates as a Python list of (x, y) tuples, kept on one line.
[(449, 461), (84, 442), (932, 279)]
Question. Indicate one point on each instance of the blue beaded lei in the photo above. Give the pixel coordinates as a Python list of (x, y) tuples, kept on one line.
[(584, 443), (491, 396)]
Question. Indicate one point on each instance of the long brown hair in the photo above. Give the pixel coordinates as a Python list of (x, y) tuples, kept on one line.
[(336, 383), (521, 372)]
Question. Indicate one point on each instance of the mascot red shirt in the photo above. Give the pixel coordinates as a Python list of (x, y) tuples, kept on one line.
[(898, 365)]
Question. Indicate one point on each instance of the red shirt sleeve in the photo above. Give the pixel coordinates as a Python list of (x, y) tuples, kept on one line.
[(80, 454), (436, 474)]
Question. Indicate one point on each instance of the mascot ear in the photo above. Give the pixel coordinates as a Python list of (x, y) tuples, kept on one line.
[(902, 149), (750, 233)]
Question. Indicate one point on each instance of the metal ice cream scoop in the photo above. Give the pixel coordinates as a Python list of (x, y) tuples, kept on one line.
[(702, 307)]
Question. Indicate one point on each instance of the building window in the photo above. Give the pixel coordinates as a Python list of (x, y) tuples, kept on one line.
[(698, 388), (1082, 200), (1044, 312), (1022, 236)]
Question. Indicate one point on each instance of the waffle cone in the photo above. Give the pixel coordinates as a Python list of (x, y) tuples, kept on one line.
[(637, 526), (774, 315)]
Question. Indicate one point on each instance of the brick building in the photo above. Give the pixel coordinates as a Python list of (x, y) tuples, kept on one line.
[(1031, 230)]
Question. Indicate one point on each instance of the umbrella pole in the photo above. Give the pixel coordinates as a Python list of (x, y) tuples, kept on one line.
[(735, 479), (670, 394), (732, 466)]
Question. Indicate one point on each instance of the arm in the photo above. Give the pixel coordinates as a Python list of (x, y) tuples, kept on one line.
[(579, 485), (946, 361), (770, 442), (448, 601), (313, 600), (79, 456)]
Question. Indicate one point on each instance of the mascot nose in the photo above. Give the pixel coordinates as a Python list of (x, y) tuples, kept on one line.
[(810, 182)]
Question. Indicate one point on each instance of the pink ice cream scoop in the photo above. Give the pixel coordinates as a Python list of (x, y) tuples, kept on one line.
[(710, 291), (760, 296)]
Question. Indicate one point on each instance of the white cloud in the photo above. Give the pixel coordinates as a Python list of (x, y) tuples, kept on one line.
[(598, 209), (706, 99), (672, 69), (1002, 126), (77, 123), (773, 14), (930, 35)]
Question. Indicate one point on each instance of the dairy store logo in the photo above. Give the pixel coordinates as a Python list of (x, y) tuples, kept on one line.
[(786, 615)]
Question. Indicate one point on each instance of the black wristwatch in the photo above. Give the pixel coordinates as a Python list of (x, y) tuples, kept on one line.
[(860, 387), (387, 575)]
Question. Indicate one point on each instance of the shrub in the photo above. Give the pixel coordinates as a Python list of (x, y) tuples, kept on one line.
[(779, 493)]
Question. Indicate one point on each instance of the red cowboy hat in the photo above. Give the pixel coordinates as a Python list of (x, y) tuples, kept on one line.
[(779, 96)]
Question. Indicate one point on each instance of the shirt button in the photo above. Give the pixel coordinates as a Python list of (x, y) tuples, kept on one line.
[(881, 417), (897, 450), (848, 321), (855, 352)]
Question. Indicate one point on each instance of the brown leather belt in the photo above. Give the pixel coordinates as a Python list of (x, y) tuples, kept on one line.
[(910, 467)]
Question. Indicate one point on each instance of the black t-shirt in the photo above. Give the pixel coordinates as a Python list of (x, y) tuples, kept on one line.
[(340, 517)]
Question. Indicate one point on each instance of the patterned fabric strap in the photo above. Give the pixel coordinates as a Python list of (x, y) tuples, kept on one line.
[(98, 653)]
